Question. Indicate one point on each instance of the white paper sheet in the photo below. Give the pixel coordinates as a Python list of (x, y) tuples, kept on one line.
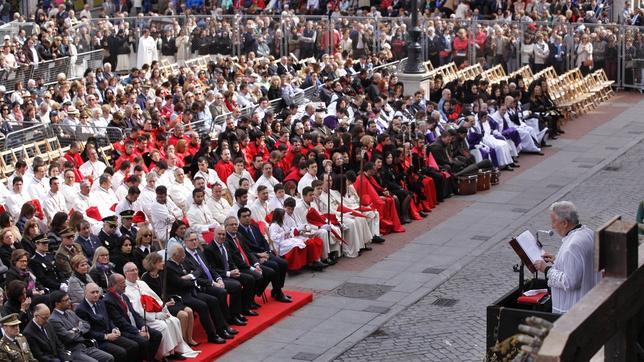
[(529, 244)]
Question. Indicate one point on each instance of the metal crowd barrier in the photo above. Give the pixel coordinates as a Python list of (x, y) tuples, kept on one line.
[(73, 67)]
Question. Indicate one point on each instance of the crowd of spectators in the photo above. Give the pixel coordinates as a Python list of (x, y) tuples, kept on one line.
[(284, 183)]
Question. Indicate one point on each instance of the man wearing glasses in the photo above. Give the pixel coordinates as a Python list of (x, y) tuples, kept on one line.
[(43, 266), (42, 337)]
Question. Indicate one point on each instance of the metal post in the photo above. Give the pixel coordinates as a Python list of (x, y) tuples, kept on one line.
[(414, 64)]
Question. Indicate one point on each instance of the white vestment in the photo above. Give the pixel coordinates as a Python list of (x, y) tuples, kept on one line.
[(147, 51)]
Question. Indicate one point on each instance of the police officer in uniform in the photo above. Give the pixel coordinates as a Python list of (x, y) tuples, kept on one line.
[(127, 228), (13, 345), (109, 235), (43, 265)]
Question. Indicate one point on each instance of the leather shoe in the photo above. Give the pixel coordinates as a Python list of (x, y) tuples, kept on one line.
[(508, 168), (515, 164), (232, 331), (250, 313), (254, 305), (217, 340), (377, 239), (540, 153), (282, 299), (543, 144), (423, 213), (241, 318), (237, 322), (176, 357), (225, 335), (366, 248), (317, 266)]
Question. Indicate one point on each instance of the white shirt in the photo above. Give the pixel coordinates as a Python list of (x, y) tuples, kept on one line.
[(181, 193), (69, 193), (14, 202), (219, 208), (268, 182), (211, 177), (233, 181), (53, 203), (305, 181), (92, 169), (38, 189), (573, 273), (201, 218), (259, 210), (104, 200), (162, 216)]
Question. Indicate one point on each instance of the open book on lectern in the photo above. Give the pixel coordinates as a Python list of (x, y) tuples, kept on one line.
[(528, 248)]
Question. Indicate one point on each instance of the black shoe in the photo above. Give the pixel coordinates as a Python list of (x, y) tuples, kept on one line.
[(377, 239), (241, 318), (232, 331), (544, 144), (282, 299), (254, 305), (237, 322), (423, 214), (317, 266), (540, 153), (293, 273), (366, 248), (561, 131), (515, 164), (217, 340), (508, 168), (250, 313), (176, 357), (225, 335), (329, 261), (406, 221)]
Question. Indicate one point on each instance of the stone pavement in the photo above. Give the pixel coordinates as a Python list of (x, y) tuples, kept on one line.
[(426, 299)]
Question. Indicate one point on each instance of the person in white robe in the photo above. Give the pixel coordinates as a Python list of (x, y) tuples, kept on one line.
[(130, 202), (308, 178), (241, 200), (499, 117), (356, 230), (571, 273), (530, 138), (169, 326), (217, 204), (16, 198), (266, 179), (4, 191), (208, 174), (147, 50), (103, 197), (39, 185), (200, 216), (493, 139), (148, 195), (259, 208), (278, 199), (55, 201), (239, 173), (301, 209), (180, 190), (93, 168), (69, 188), (163, 213)]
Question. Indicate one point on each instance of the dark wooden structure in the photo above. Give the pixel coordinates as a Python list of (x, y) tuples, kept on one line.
[(610, 315)]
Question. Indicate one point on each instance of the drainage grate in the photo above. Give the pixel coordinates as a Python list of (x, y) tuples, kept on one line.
[(362, 291), (306, 356), (612, 168), (376, 309), (433, 270), (445, 302)]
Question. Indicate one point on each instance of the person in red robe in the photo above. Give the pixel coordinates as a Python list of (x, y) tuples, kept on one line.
[(375, 196), (224, 167), (128, 155)]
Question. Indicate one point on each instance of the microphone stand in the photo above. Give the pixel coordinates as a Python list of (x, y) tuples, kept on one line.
[(341, 205), (164, 288)]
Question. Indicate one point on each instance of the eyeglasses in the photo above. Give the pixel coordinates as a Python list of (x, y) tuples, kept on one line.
[(147, 235)]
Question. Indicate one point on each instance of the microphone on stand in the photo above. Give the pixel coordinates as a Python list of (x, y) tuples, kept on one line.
[(547, 232)]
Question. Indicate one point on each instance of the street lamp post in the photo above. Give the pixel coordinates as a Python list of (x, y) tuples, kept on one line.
[(414, 63)]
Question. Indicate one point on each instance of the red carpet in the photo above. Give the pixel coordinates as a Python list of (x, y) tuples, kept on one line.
[(269, 314)]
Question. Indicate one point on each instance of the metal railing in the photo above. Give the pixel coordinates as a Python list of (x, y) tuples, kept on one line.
[(72, 66)]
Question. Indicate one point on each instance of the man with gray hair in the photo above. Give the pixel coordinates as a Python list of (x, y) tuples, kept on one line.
[(571, 272)]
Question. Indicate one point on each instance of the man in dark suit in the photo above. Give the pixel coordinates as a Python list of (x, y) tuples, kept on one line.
[(43, 265), (257, 245), (182, 283), (44, 344), (71, 331), (102, 329), (127, 320), (441, 153), (88, 241), (218, 255), (108, 235), (209, 281), (246, 261)]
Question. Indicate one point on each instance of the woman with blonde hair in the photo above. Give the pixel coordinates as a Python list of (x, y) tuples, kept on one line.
[(154, 266), (79, 279)]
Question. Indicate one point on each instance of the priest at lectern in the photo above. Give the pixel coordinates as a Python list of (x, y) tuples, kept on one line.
[(571, 272)]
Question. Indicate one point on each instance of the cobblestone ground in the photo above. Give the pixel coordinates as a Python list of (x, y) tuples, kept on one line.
[(457, 333)]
